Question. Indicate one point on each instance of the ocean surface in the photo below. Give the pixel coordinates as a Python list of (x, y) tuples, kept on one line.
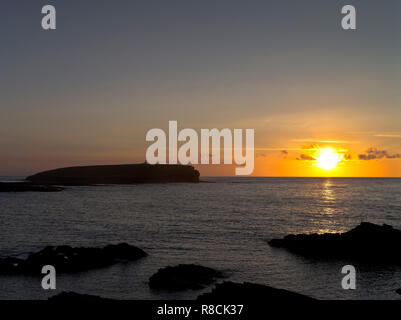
[(223, 225)]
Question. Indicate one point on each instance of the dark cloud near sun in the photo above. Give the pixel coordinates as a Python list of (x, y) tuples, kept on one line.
[(308, 148), (374, 153), (311, 147), (305, 157)]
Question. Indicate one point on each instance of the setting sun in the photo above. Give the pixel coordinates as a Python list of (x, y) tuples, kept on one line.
[(327, 159)]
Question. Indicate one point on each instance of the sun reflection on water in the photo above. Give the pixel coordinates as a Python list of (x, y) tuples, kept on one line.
[(328, 209), (327, 192)]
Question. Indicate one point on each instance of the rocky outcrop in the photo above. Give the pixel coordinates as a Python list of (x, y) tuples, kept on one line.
[(116, 174), (183, 277), (67, 259), (250, 293), (367, 242), (26, 186)]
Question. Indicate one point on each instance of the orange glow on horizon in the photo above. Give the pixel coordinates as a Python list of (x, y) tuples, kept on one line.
[(312, 161)]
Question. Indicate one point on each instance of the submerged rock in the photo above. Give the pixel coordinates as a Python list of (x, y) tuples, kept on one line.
[(368, 242), (183, 277), (73, 296), (27, 186), (249, 292), (10, 266), (117, 174), (68, 259)]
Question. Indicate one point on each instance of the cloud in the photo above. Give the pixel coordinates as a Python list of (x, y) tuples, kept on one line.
[(323, 141), (374, 153), (305, 157), (311, 147), (284, 153), (388, 135)]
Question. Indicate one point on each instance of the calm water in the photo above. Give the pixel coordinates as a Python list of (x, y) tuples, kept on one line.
[(224, 225)]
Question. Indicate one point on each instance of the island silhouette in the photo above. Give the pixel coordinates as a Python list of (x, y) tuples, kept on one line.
[(51, 180), (116, 174)]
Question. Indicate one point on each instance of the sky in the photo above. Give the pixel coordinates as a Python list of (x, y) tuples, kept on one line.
[(88, 92)]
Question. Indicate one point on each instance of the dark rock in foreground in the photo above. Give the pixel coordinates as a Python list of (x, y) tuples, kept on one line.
[(26, 186), (367, 242), (250, 292), (67, 259), (183, 277), (73, 296), (117, 174)]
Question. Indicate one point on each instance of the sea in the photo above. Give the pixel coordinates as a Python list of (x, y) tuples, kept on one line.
[(224, 223)]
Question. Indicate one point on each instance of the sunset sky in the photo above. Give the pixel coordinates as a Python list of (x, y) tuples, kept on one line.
[(88, 92)]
